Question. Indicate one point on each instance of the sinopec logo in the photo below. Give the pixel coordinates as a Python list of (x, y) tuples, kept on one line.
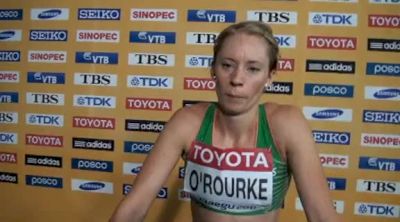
[(156, 15), (285, 64), (92, 186), (99, 13), (8, 117), (137, 147), (376, 209), (285, 88), (8, 157), (198, 61), (44, 181), (286, 41), (95, 79), (345, 91), (48, 35), (49, 14), (47, 56), (380, 140), (11, 14), (10, 56), (273, 17), (384, 21), (152, 82), (382, 93), (93, 122), (151, 59), (336, 183), (149, 104), (199, 83), (384, 69), (388, 45), (107, 58), (95, 165), (9, 76), (110, 36), (39, 119), (92, 144), (331, 137), (377, 163), (8, 138), (201, 38), (152, 37), (211, 16), (7, 177), (325, 42), (46, 161), (381, 116), (9, 97), (378, 186), (95, 101), (44, 140), (334, 161), (10, 35), (132, 168), (330, 66), (45, 98), (144, 125), (332, 19), (327, 114), (46, 77)]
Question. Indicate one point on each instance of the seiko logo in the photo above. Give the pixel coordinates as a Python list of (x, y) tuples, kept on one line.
[(92, 186), (330, 90), (376, 163), (380, 116), (165, 15), (334, 161), (95, 101), (10, 56), (378, 186), (385, 69), (286, 41), (384, 21), (48, 35), (44, 119), (137, 147), (324, 42), (46, 77), (199, 83), (376, 209), (327, 113), (47, 56), (11, 14), (49, 14), (96, 165), (150, 59), (330, 66), (10, 35), (198, 61), (96, 57), (6, 177), (42, 181), (211, 16), (45, 98), (8, 117), (9, 76), (332, 19), (8, 157), (97, 36), (336, 183), (8, 138), (380, 140), (144, 125), (384, 1), (390, 45), (273, 17), (44, 140), (280, 88), (331, 137), (132, 168), (201, 38), (158, 82), (382, 93), (152, 37), (95, 79), (285, 64), (93, 122), (9, 97), (149, 104), (99, 14), (48, 161), (93, 144)]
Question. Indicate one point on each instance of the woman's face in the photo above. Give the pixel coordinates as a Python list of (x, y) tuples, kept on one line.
[(242, 70)]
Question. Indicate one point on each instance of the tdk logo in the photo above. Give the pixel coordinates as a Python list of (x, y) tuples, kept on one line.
[(6, 177), (96, 165), (46, 161), (48, 35), (332, 19), (327, 114), (8, 117), (379, 116), (273, 17), (49, 14), (44, 120), (137, 147), (95, 101), (378, 186), (336, 183), (152, 37), (132, 168), (96, 57), (211, 16), (198, 61), (144, 125), (8, 97), (151, 59), (331, 137), (330, 90), (92, 186), (330, 66), (376, 209), (10, 56), (45, 98), (11, 14), (382, 93), (201, 38), (158, 82), (375, 163), (389, 45), (95, 79), (46, 77), (44, 181), (9, 76), (10, 35), (99, 14), (286, 41), (8, 138), (384, 69), (285, 88), (92, 144)]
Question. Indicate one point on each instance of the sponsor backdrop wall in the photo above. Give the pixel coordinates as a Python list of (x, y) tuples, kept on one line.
[(86, 86)]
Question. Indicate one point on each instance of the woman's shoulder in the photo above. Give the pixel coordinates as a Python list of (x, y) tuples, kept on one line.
[(284, 111), (191, 114)]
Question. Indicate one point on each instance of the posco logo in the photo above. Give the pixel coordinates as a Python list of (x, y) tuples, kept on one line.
[(137, 147), (327, 114), (332, 19), (152, 37), (10, 56), (380, 116), (99, 14), (44, 181), (48, 35), (91, 186), (211, 16), (144, 125), (50, 14), (11, 14), (385, 69), (96, 165), (311, 89), (331, 137)]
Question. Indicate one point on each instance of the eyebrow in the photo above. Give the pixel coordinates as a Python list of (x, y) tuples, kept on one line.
[(247, 62)]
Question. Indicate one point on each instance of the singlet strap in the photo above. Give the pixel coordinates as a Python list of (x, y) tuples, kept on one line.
[(205, 133)]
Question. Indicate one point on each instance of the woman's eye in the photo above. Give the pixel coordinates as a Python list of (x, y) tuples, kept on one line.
[(254, 69), (226, 65)]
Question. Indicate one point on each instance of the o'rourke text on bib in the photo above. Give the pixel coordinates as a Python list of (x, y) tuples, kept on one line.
[(240, 177)]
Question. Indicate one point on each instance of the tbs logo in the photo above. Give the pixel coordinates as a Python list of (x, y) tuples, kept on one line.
[(201, 38), (152, 37), (8, 117), (96, 57), (211, 16), (13, 35), (95, 79), (273, 17), (332, 19), (150, 59)]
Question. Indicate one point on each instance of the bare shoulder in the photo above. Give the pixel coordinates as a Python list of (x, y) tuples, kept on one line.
[(283, 115)]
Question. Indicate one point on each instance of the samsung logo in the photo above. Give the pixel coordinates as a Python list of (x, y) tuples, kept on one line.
[(92, 186), (7, 177), (46, 161), (327, 114), (92, 144), (49, 14), (336, 183), (384, 69), (9, 97), (151, 59), (162, 194), (286, 41), (144, 125), (95, 165), (99, 14), (155, 82), (198, 61), (273, 17), (382, 93), (332, 19), (10, 35), (384, 1), (10, 56), (376, 209), (137, 147), (95, 101), (44, 119), (331, 137), (388, 45), (48, 35), (152, 37), (381, 116), (284, 88), (11, 14), (330, 66), (8, 138), (330, 90), (46, 77), (377, 163), (211, 16), (107, 58), (44, 181), (132, 168)]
